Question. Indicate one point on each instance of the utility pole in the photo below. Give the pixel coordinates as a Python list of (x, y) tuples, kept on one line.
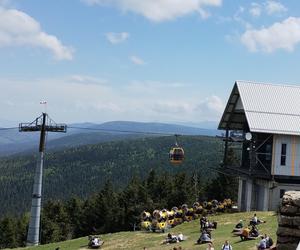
[(43, 124)]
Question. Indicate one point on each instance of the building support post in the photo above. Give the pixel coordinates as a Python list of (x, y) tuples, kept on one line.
[(249, 188), (226, 148), (240, 192), (266, 198)]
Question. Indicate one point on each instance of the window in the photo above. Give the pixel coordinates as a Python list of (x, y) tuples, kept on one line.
[(283, 154)]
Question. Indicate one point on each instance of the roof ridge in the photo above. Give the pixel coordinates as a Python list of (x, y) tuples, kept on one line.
[(268, 83)]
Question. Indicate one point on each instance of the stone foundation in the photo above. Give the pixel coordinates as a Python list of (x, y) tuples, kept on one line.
[(288, 232)]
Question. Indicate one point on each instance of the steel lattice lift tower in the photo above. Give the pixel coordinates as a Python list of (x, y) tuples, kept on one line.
[(43, 124)]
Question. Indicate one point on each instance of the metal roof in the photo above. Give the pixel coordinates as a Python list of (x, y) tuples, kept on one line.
[(266, 108)]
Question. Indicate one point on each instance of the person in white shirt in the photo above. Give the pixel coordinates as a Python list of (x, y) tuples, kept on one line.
[(254, 219), (180, 237), (226, 246), (262, 244), (96, 241)]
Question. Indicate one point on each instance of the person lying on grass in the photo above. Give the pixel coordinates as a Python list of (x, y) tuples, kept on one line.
[(171, 238)]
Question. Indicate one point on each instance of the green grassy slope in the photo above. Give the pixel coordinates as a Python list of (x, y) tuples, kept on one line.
[(138, 240)]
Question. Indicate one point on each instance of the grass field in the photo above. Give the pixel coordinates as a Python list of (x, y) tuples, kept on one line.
[(139, 240)]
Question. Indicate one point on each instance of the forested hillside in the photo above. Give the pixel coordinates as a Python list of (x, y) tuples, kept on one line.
[(81, 171), (110, 211), (12, 141)]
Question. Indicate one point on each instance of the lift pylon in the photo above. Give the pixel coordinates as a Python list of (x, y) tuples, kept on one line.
[(43, 124)]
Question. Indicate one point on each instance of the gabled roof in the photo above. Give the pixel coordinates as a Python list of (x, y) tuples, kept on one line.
[(261, 107)]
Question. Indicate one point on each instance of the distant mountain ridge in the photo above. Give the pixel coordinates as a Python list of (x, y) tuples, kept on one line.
[(12, 141), (154, 127)]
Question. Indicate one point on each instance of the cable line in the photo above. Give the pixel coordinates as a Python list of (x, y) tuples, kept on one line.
[(8, 128), (123, 131)]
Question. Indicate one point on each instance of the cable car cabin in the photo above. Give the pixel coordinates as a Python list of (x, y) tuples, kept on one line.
[(176, 155)]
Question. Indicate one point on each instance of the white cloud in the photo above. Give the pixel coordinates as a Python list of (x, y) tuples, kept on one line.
[(160, 10), (19, 29), (115, 38), (212, 104), (255, 9), (5, 3), (84, 79), (237, 17), (269, 7), (172, 107), (77, 99), (273, 7), (208, 109), (281, 35), (152, 87), (137, 60)]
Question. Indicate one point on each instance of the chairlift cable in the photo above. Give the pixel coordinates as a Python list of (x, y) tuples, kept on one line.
[(8, 128), (125, 131), (122, 131)]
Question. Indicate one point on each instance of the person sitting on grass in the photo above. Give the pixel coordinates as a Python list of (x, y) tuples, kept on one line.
[(238, 227), (203, 221), (254, 231), (262, 244), (240, 224), (244, 234), (212, 225), (255, 221), (269, 241), (204, 238), (95, 242)]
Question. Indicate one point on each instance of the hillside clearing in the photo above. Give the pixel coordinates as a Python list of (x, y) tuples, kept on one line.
[(138, 240)]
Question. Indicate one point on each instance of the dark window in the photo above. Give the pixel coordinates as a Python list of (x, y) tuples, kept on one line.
[(283, 154), (268, 152), (282, 191)]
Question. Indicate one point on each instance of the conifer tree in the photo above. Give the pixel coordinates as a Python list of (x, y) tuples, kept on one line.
[(7, 233)]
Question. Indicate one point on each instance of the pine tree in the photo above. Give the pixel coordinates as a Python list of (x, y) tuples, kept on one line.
[(7, 233), (73, 208), (21, 230)]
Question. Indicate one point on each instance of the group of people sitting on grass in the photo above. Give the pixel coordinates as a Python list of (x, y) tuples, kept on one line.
[(265, 243), (205, 228), (205, 223), (251, 232), (225, 246)]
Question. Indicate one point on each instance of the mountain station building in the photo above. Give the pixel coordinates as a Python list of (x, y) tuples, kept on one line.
[(262, 142)]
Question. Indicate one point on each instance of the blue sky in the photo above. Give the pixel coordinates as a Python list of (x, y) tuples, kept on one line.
[(150, 60)]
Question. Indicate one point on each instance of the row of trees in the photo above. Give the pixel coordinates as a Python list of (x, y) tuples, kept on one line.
[(111, 210)]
